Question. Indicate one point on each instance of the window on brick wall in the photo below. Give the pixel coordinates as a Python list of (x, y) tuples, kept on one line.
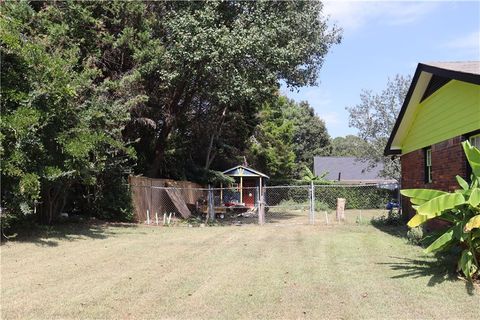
[(428, 165), (475, 140)]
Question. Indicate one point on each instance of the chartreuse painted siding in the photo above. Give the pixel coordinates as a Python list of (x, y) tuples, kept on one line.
[(451, 111)]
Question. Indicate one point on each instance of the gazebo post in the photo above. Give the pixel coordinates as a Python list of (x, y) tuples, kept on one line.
[(260, 188), (241, 189)]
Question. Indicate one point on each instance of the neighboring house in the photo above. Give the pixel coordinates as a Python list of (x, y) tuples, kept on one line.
[(441, 109), (348, 170)]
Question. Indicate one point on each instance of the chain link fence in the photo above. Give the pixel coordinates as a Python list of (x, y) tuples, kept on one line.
[(362, 202), (299, 204), (288, 204)]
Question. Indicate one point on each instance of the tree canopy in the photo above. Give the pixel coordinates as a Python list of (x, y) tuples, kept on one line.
[(374, 117), (93, 91), (348, 146), (287, 138)]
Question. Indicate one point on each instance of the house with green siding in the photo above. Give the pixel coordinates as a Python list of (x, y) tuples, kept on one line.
[(441, 109)]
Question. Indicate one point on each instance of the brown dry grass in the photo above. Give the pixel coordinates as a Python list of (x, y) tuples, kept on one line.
[(123, 272)]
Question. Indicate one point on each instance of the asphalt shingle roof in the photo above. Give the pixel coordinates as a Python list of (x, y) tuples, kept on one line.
[(472, 67), (350, 169)]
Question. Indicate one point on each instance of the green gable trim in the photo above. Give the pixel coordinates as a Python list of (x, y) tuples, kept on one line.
[(451, 111)]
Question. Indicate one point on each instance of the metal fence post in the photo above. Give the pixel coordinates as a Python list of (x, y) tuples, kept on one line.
[(261, 207), (312, 217), (150, 204), (211, 211)]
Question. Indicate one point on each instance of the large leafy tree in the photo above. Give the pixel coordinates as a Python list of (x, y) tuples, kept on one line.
[(374, 117), (181, 82), (348, 146), (212, 59), (310, 136), (198, 61), (287, 138), (271, 145), (61, 125)]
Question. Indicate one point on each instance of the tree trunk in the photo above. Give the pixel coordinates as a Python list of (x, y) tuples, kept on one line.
[(154, 171), (54, 199), (174, 109), (210, 152)]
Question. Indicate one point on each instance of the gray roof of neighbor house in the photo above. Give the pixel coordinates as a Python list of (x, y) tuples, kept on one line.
[(349, 169)]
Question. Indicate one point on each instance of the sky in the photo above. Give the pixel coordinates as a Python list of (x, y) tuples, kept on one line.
[(382, 39)]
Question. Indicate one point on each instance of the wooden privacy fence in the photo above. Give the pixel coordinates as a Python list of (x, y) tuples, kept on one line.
[(151, 196)]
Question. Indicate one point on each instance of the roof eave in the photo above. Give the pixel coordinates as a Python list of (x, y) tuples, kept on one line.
[(451, 74), (432, 70), (392, 152), (247, 168), (388, 147)]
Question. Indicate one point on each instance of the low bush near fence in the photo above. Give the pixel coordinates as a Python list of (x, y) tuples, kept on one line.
[(357, 197), (319, 205)]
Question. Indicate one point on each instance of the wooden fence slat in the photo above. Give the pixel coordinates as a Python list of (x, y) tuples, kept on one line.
[(179, 203), (158, 200)]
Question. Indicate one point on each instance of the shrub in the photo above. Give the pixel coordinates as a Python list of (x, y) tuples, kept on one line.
[(415, 235), (293, 203), (357, 197), (321, 206)]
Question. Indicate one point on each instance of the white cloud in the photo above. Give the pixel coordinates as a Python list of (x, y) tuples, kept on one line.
[(353, 15), (331, 118), (468, 42)]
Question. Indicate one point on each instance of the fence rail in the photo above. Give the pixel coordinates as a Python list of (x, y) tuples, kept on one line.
[(299, 204)]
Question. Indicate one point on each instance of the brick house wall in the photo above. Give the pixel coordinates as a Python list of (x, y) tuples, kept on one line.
[(448, 160)]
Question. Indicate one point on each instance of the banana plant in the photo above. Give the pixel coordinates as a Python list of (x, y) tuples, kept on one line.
[(461, 209)]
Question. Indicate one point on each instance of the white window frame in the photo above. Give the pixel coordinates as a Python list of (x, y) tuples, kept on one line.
[(475, 140), (428, 164)]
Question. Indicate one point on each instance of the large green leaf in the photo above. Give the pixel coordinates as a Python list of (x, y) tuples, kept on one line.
[(466, 263), (473, 223), (441, 241), (416, 221), (462, 182), (441, 203), (449, 216), (473, 157), (420, 196), (474, 199), (416, 201), (423, 194), (458, 232)]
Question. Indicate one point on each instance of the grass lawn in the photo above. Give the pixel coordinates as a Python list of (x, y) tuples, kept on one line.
[(297, 271)]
